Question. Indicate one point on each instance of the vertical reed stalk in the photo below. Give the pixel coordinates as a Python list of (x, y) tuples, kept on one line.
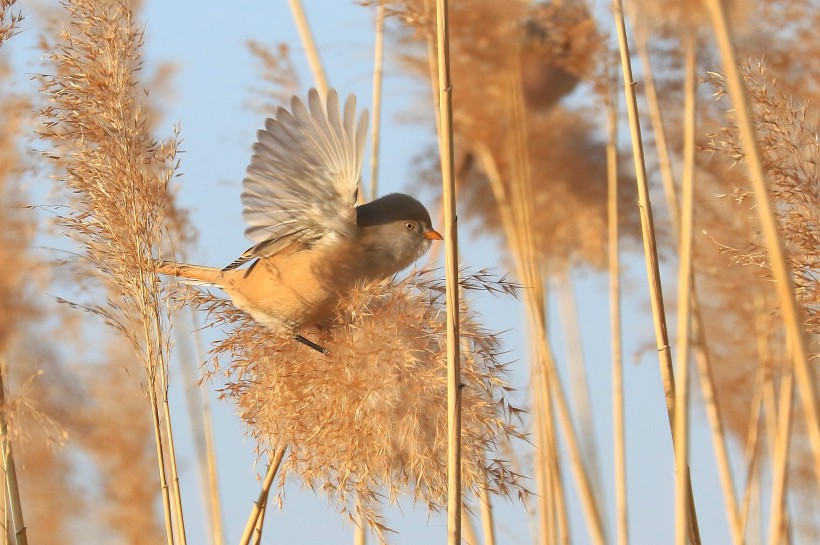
[(613, 260), (547, 525), (311, 50), (11, 491), (779, 266), (780, 459), (516, 209), (378, 64), (487, 524), (454, 497), (682, 507), (163, 479), (579, 382), (5, 516), (467, 529), (176, 492), (521, 206), (706, 379), (713, 414), (359, 533), (650, 246), (751, 451), (260, 521), (261, 502), (658, 130)]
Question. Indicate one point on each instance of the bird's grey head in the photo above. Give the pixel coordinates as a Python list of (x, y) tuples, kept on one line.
[(396, 230)]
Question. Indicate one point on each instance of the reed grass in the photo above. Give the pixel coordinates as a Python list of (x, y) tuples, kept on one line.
[(681, 424), (9, 20), (786, 142), (378, 432), (774, 245), (685, 23), (650, 249), (253, 528), (199, 414), (579, 383), (116, 176), (386, 381)]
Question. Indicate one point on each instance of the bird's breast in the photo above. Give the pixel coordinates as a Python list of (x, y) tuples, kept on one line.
[(296, 287)]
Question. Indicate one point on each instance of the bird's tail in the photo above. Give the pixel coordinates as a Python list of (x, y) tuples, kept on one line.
[(192, 274)]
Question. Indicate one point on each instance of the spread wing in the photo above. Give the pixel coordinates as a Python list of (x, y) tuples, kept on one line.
[(302, 180)]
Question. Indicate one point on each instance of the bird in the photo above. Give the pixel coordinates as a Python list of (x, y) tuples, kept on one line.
[(312, 243)]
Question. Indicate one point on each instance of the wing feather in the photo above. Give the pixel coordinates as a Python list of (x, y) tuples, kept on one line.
[(302, 179)]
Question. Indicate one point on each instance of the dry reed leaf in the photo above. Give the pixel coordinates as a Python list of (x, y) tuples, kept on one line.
[(368, 422)]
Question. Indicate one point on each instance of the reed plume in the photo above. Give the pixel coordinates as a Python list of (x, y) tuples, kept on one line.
[(115, 176), (279, 78), (368, 422), (788, 129)]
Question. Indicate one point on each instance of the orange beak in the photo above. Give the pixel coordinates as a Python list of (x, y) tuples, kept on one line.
[(432, 234)]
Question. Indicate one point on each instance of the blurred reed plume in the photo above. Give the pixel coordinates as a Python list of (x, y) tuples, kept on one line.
[(550, 49), (114, 176), (788, 130), (279, 78), (9, 20), (369, 421), (789, 133)]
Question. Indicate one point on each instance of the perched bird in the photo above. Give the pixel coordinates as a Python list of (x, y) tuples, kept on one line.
[(311, 242)]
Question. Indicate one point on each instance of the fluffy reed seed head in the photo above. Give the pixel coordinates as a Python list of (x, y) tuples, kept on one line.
[(369, 421), (788, 133), (116, 174)]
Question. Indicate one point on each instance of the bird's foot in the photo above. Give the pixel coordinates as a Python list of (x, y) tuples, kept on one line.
[(311, 344)]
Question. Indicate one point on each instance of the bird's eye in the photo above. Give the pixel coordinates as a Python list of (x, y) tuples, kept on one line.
[(410, 225)]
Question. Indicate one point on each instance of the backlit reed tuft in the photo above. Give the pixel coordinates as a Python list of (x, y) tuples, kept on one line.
[(547, 50), (114, 179), (368, 422), (787, 130), (114, 173), (789, 135)]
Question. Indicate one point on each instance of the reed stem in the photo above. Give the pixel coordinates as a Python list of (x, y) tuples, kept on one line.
[(650, 245), (682, 507), (454, 498), (311, 50), (613, 259), (11, 491), (259, 506), (378, 69)]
